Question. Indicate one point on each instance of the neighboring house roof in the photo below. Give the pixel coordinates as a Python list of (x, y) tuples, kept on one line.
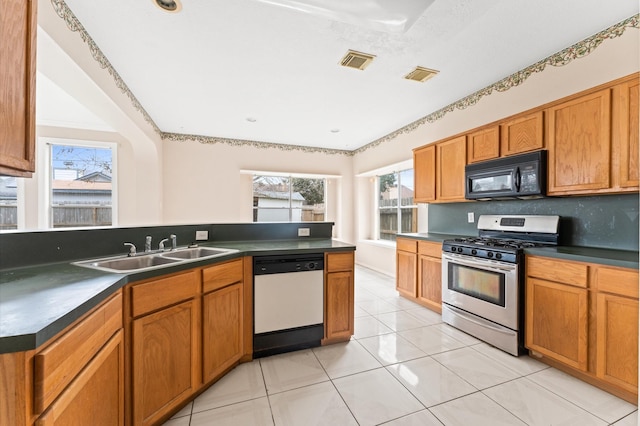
[(95, 177), (392, 193), (278, 195), (79, 185)]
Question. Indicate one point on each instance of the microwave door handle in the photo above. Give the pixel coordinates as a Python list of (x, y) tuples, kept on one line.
[(517, 179)]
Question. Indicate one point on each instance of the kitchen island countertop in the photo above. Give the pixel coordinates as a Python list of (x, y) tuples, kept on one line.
[(39, 301)]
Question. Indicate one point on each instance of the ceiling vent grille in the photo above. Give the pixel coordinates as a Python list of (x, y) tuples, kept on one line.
[(357, 60), (421, 74)]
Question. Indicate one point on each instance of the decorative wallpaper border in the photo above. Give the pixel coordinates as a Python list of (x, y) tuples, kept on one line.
[(561, 58)]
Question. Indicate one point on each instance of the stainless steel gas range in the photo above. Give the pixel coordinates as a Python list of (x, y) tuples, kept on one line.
[(483, 277)]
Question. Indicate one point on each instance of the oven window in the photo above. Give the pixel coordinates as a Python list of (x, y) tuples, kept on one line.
[(491, 183), (477, 283)]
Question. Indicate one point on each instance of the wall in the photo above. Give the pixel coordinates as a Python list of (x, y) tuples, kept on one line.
[(614, 58), (206, 183)]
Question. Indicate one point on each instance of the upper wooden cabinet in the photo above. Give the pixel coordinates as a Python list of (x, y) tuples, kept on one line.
[(579, 142), (522, 134), (18, 25), (451, 156), (483, 144), (424, 174), (625, 135)]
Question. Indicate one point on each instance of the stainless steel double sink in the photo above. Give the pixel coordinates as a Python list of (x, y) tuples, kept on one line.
[(145, 262)]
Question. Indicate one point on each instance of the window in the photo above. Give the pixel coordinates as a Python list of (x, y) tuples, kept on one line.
[(81, 185), (8, 202), (396, 209), (288, 199)]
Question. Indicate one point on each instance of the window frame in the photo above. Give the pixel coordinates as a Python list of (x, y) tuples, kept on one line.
[(47, 176)]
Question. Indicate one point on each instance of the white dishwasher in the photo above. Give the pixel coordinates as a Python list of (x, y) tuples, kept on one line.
[(288, 303)]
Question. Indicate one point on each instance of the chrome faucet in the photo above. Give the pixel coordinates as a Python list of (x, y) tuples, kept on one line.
[(161, 244), (132, 249), (147, 244), (174, 243)]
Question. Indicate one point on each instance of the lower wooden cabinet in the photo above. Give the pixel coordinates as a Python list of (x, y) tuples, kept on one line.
[(96, 395), (339, 297), (165, 345), (222, 319), (583, 318), (406, 267), (419, 272), (430, 275)]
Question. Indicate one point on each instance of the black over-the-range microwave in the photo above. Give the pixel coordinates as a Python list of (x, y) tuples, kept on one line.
[(517, 176)]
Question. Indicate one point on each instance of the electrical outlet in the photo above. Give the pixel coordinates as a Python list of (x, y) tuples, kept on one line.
[(304, 232), (470, 217), (202, 235)]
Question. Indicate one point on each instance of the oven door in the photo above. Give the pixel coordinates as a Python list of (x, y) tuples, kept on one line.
[(486, 288)]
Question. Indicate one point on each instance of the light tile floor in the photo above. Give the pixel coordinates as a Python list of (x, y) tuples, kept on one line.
[(403, 367)]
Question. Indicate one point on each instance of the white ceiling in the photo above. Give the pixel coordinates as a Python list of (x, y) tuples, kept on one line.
[(209, 68)]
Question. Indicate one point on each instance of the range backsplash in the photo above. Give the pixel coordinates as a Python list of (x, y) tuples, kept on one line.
[(607, 221)]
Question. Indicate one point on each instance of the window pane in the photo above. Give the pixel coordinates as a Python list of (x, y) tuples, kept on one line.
[(8, 202), (388, 224), (81, 188), (388, 190), (284, 199), (409, 219), (406, 190)]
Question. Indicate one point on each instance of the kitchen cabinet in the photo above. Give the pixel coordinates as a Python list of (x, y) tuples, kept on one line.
[(430, 275), (583, 318), (579, 142), (165, 345), (76, 378), (625, 135), (450, 161), (483, 144), (522, 133), (222, 318), (339, 297), (18, 27), (424, 174), (406, 264)]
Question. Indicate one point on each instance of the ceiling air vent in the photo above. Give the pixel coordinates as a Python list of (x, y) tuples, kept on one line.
[(357, 60), (421, 74)]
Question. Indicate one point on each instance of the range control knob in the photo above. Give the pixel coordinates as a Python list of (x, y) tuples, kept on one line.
[(459, 249), (453, 249), (498, 255), (489, 254), (474, 252)]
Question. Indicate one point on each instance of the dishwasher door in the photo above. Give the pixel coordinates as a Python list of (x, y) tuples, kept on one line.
[(288, 303), (288, 300)]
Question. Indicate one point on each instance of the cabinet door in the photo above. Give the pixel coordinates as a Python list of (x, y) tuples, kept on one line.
[(627, 138), (522, 134), (18, 26), (222, 326), (96, 396), (484, 145), (617, 341), (450, 162), (165, 362), (579, 141), (406, 269), (339, 306), (424, 174), (556, 321), (430, 282)]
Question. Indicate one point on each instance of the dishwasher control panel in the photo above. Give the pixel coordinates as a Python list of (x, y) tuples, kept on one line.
[(280, 264)]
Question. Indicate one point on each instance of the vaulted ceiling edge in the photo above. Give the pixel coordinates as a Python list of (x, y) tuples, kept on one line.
[(561, 58)]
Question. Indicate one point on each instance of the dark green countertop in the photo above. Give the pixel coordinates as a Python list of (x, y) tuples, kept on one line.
[(39, 301), (611, 257)]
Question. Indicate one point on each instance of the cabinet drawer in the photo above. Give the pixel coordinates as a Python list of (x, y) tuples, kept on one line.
[(153, 295), (562, 271), (427, 248), (58, 364), (339, 262), (623, 282), (406, 244), (221, 275)]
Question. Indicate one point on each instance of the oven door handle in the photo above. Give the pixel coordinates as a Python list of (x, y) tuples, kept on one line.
[(479, 264), (484, 323)]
